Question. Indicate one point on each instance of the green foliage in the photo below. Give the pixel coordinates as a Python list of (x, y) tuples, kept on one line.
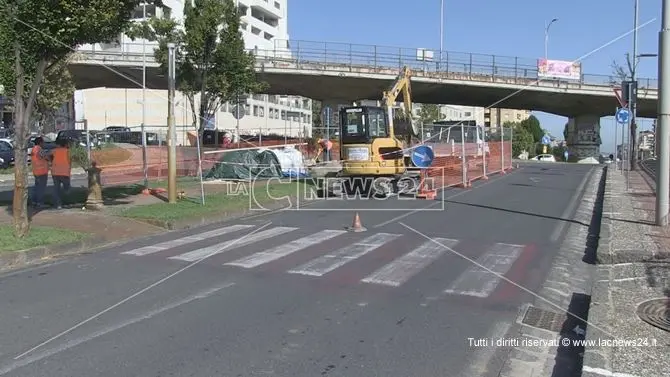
[(429, 113), (558, 152), (522, 141), (532, 125), (317, 122), (36, 35), (57, 88), (79, 156), (210, 54)]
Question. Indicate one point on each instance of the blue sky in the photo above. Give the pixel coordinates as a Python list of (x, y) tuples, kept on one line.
[(506, 28)]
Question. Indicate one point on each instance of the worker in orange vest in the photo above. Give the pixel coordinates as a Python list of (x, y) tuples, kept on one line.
[(61, 167), (39, 159)]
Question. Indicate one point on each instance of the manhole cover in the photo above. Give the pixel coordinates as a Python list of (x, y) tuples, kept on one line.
[(544, 319), (656, 313)]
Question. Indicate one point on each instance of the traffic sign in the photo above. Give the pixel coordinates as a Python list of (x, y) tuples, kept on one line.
[(238, 111), (619, 97), (422, 156), (622, 115), (546, 140)]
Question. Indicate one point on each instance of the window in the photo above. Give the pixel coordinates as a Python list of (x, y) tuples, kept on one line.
[(377, 123), (354, 126), (518, 116), (283, 114), (255, 110), (261, 111), (467, 114), (277, 5), (247, 110)]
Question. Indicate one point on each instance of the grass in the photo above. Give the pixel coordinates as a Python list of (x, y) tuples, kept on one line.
[(219, 203), (39, 236)]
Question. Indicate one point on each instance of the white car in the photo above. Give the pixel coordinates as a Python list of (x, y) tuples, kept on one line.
[(546, 158)]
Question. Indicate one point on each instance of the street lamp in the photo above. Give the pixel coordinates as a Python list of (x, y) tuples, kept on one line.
[(441, 28), (144, 100), (546, 38)]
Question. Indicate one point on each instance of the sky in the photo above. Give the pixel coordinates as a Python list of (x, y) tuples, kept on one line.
[(585, 28)]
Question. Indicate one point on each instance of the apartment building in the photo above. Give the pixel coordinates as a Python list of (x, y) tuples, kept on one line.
[(264, 26), (646, 142), (495, 117)]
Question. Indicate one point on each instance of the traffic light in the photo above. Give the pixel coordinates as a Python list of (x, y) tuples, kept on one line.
[(629, 91)]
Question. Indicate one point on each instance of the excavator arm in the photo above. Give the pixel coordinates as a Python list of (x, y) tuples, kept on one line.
[(401, 85)]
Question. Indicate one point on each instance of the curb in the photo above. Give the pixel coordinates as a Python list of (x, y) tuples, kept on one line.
[(171, 225), (15, 259), (595, 356)]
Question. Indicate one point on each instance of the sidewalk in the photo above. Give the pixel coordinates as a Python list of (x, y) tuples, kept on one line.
[(633, 267)]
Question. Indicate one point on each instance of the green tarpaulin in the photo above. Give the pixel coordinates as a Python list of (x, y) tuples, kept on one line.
[(246, 164)]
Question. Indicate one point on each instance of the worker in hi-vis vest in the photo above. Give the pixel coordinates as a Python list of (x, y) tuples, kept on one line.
[(39, 159), (61, 167)]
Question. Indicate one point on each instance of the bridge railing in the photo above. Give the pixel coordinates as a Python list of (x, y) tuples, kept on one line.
[(355, 57)]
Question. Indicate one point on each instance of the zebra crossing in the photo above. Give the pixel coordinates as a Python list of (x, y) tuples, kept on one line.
[(480, 279)]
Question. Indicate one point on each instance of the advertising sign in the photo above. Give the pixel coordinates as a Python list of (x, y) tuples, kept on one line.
[(559, 69)]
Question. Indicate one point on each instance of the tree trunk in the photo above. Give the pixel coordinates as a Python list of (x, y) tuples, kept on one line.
[(20, 202), (22, 109)]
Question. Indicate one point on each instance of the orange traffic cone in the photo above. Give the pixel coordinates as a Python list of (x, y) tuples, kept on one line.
[(356, 226)]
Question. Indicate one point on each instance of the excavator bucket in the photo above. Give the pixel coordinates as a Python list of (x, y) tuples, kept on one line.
[(404, 126)]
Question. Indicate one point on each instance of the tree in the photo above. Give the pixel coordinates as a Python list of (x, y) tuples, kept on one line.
[(565, 132), (210, 54), (429, 113), (317, 122), (35, 35), (523, 141), (532, 125), (57, 88)]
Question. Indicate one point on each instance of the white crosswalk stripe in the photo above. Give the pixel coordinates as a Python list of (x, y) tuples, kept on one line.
[(478, 281), (280, 251), (186, 240), (232, 244), (475, 281), (405, 267), (329, 262)]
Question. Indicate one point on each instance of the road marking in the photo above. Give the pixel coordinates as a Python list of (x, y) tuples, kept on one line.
[(186, 240), (565, 216), (263, 257), (239, 242), (478, 281), (329, 262), (405, 267), (604, 372), (75, 342)]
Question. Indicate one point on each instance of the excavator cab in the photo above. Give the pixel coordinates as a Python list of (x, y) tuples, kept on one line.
[(368, 146)]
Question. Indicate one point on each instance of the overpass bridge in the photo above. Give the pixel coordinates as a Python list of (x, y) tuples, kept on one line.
[(337, 73), (348, 72)]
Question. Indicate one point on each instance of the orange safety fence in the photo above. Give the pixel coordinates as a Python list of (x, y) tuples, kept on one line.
[(464, 154)]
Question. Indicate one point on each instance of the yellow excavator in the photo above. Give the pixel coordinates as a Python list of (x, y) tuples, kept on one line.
[(374, 145)]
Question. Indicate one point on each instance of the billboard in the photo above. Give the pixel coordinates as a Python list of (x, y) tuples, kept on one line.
[(559, 69)]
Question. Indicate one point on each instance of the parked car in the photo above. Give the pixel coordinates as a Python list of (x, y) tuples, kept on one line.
[(77, 137), (546, 158), (6, 155)]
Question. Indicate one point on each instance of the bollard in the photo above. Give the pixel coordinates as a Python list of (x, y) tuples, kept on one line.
[(94, 199)]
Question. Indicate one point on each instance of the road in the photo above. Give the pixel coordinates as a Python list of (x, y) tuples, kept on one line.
[(291, 294)]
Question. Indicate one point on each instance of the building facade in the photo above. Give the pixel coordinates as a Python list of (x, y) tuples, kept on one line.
[(264, 26)]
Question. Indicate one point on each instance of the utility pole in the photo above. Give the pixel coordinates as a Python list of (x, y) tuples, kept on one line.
[(172, 132), (663, 121), (633, 94), (441, 29), (144, 101)]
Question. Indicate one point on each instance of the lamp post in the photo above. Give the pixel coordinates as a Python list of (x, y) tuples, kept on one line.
[(144, 101), (546, 38), (663, 121), (441, 28), (172, 132)]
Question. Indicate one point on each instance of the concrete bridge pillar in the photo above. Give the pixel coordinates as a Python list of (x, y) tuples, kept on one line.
[(583, 137)]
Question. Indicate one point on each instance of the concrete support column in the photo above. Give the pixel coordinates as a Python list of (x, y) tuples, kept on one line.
[(584, 136)]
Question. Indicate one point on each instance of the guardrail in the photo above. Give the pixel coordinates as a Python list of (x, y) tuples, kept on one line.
[(353, 57)]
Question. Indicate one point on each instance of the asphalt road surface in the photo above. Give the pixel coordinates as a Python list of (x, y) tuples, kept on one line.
[(292, 294)]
